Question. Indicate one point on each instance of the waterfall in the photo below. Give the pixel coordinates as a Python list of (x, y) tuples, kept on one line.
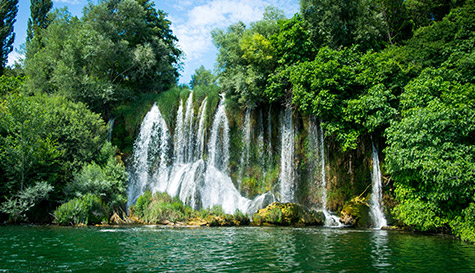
[(260, 139), (201, 130), (376, 207), (152, 140), (197, 182), (218, 147), (246, 142), (287, 157), (269, 138), (189, 129), (179, 152), (330, 219), (111, 126)]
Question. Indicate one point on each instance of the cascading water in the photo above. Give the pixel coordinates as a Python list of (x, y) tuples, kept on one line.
[(201, 130), (246, 142), (286, 177), (260, 140), (269, 139), (189, 129), (153, 140), (179, 152), (376, 200), (111, 127), (218, 146), (199, 183), (330, 219)]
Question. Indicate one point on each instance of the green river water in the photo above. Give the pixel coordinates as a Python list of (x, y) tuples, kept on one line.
[(242, 249)]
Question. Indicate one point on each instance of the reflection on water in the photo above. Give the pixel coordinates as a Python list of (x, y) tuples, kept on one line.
[(247, 249), (380, 252)]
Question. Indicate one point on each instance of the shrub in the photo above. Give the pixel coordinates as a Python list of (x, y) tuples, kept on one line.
[(108, 180), (85, 210), (17, 206)]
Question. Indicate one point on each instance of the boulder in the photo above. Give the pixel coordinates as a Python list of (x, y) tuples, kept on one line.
[(355, 213), (287, 214)]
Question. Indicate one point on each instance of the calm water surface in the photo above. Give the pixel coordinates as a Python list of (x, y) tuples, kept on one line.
[(244, 249)]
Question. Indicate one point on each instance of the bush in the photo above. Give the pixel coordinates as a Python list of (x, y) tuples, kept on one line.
[(161, 207), (17, 206), (107, 180), (88, 209)]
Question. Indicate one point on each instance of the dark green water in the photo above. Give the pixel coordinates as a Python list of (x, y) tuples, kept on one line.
[(248, 249)]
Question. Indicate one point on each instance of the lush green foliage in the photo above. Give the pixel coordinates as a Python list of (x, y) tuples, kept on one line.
[(8, 11), (400, 71), (118, 49), (159, 207), (108, 179), (49, 139), (18, 205), (10, 84), (431, 151), (202, 76), (39, 17), (85, 210), (246, 57)]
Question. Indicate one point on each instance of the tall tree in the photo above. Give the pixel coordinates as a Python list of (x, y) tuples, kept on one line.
[(39, 17), (8, 11), (202, 76), (342, 23)]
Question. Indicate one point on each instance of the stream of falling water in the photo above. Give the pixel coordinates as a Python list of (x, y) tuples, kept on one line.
[(376, 200), (199, 182), (330, 219), (286, 177)]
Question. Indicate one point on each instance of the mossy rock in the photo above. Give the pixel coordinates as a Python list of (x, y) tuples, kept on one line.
[(355, 213), (287, 214)]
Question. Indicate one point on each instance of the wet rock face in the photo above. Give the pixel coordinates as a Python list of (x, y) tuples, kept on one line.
[(355, 213), (287, 214)]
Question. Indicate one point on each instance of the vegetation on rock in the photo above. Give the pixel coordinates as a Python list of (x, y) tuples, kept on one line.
[(160, 208), (287, 214)]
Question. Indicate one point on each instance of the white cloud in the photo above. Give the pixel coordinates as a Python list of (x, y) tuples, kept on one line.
[(198, 18), (14, 57), (194, 33)]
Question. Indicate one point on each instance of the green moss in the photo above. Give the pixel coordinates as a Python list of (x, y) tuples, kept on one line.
[(286, 214), (356, 212)]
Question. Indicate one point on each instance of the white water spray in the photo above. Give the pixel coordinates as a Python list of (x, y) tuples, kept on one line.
[(376, 200), (151, 142), (218, 146), (200, 183), (330, 219), (201, 130), (287, 157)]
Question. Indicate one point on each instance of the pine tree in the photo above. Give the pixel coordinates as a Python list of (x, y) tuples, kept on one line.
[(39, 17), (8, 11)]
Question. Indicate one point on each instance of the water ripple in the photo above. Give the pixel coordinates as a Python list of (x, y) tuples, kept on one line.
[(249, 249)]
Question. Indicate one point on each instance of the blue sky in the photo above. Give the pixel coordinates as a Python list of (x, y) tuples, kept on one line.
[(192, 23)]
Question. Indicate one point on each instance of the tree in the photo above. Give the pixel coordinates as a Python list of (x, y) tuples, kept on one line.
[(28, 153), (344, 23), (49, 139), (203, 77), (8, 11), (398, 26), (423, 12), (39, 17), (115, 52), (430, 154), (246, 57)]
